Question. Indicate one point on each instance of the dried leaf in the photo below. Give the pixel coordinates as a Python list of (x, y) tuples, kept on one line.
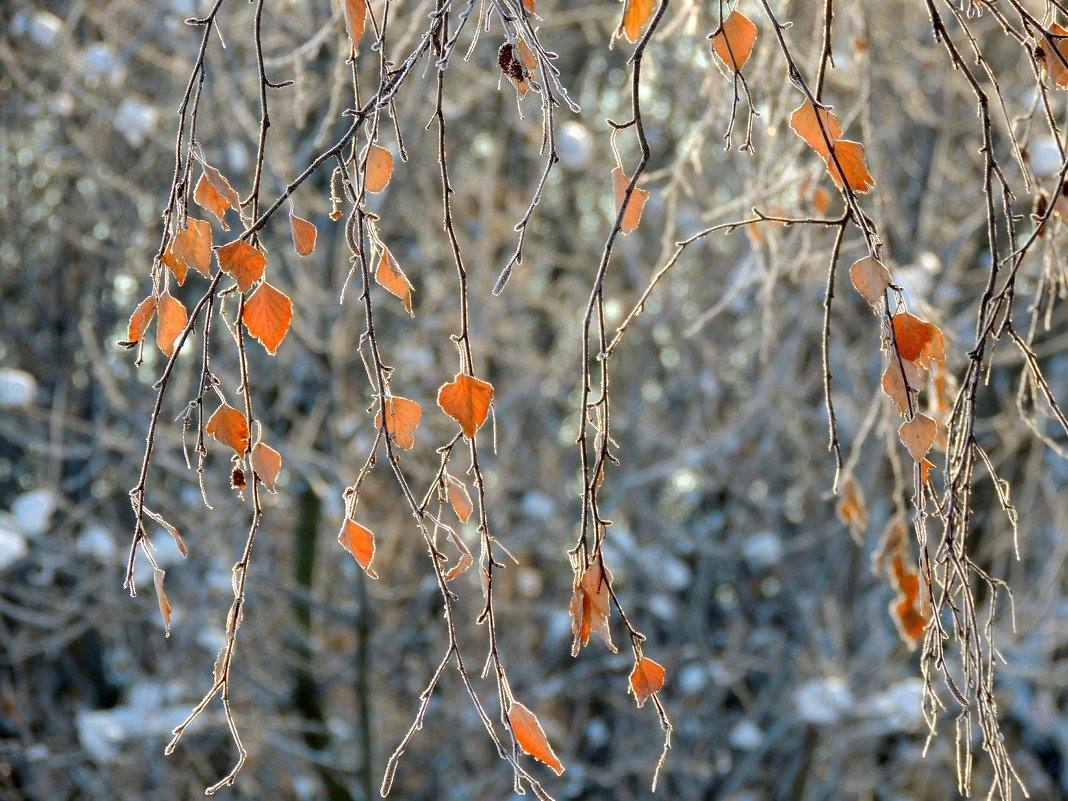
[(242, 262), (379, 168), (466, 400), (528, 733), (733, 41), (925, 467), (355, 20), (359, 542), (390, 276), (459, 498), (892, 541), (193, 246), (462, 565), (267, 315), (230, 427), (894, 382), (827, 140), (175, 265), (215, 194), (870, 278), (171, 322), (266, 464), (590, 606), (402, 418), (851, 509), (140, 320), (518, 64), (164, 604), (917, 340), (635, 14), (918, 434), (633, 215), (646, 679), (1048, 56), (304, 234)]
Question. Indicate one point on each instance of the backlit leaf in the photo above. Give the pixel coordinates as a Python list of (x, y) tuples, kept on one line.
[(171, 322), (175, 265), (917, 340), (230, 427), (214, 193), (267, 464), (851, 509), (140, 320), (1047, 55), (402, 418), (635, 14), (647, 678), (355, 20), (528, 733), (267, 315), (164, 604), (918, 434), (242, 262), (733, 41), (459, 498), (379, 168), (590, 607), (870, 278), (898, 375), (466, 400), (359, 542), (304, 235), (193, 246), (632, 216), (390, 276), (519, 64), (826, 140)]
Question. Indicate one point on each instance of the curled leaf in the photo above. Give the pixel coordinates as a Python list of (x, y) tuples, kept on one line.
[(171, 322), (230, 427), (139, 321), (359, 542), (304, 235), (266, 464), (390, 276), (633, 215), (459, 498), (164, 604)]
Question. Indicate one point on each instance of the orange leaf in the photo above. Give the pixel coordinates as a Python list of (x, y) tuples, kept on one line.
[(379, 168), (139, 320), (851, 509), (304, 234), (635, 14), (733, 41), (918, 341), (518, 64), (355, 20), (531, 738), (175, 265), (459, 498), (632, 216), (894, 382), (390, 276), (192, 245), (267, 315), (171, 322), (466, 400), (402, 418), (918, 434), (359, 542), (647, 678), (849, 155), (870, 278), (266, 464), (230, 427), (590, 608), (925, 469), (215, 194), (1053, 63), (242, 262), (891, 543)]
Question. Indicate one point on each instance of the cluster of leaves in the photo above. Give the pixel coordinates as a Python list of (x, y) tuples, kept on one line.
[(935, 598)]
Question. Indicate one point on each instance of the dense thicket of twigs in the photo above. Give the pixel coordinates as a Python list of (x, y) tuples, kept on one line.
[(722, 340)]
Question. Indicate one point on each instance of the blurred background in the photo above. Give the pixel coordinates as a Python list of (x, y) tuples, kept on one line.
[(786, 676)]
